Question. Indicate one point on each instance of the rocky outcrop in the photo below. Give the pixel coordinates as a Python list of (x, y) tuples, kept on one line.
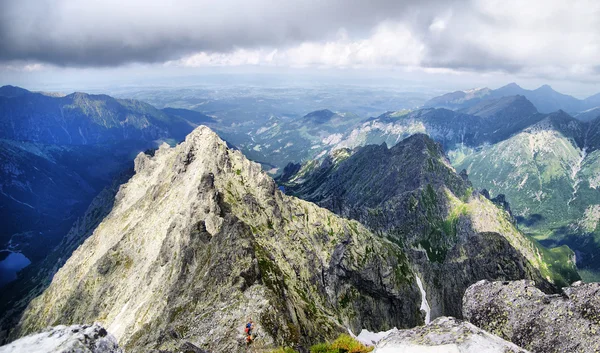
[(521, 313), (447, 335), (62, 339), (200, 239), (453, 236)]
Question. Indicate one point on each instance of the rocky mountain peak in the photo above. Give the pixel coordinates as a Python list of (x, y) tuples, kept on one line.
[(200, 239)]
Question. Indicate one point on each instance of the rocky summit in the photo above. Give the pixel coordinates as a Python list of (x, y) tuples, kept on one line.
[(200, 239), (519, 312), (445, 335), (452, 234)]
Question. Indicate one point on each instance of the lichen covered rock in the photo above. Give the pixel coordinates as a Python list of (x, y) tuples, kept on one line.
[(519, 312)]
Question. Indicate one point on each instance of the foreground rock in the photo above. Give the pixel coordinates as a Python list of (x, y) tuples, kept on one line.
[(519, 312), (200, 239), (445, 335), (60, 339)]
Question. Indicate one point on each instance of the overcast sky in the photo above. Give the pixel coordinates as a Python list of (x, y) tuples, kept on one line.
[(461, 43)]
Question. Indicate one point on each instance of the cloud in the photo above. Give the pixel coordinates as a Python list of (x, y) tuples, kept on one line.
[(541, 38), (114, 32)]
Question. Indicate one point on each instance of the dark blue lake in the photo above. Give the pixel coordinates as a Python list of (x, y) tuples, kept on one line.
[(12, 264)]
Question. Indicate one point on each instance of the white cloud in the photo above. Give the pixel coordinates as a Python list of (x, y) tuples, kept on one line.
[(389, 45)]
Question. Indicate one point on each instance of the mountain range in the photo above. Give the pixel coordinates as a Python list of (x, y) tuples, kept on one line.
[(200, 239), (376, 223), (544, 98)]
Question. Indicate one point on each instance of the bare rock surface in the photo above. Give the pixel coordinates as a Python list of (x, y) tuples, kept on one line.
[(521, 313), (445, 335)]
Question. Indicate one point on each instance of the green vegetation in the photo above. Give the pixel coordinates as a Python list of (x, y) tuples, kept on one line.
[(560, 267), (343, 344)]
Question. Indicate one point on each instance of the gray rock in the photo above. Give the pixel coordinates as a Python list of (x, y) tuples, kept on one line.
[(66, 339), (521, 313), (447, 335)]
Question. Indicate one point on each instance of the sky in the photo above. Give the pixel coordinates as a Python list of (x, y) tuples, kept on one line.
[(434, 43)]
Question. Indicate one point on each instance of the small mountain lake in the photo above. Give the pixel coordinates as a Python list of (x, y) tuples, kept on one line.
[(10, 265)]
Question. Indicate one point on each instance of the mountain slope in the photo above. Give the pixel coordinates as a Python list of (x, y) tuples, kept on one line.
[(588, 115), (549, 172), (410, 194), (200, 239), (81, 118)]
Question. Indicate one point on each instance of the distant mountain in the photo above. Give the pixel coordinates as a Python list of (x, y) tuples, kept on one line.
[(12, 91), (284, 140), (588, 115), (84, 119), (592, 101), (458, 99), (319, 116), (544, 98), (410, 194), (550, 172), (488, 121)]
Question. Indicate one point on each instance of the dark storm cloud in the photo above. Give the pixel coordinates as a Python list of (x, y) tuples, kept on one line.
[(536, 37), (110, 33)]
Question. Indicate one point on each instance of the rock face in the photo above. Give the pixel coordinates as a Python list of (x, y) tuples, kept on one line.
[(446, 335), (521, 313), (454, 236), (61, 339), (200, 239)]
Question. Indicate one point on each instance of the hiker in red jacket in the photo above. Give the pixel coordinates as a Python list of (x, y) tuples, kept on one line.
[(248, 330)]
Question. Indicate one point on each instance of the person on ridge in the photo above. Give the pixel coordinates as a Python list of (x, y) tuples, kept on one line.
[(248, 330)]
